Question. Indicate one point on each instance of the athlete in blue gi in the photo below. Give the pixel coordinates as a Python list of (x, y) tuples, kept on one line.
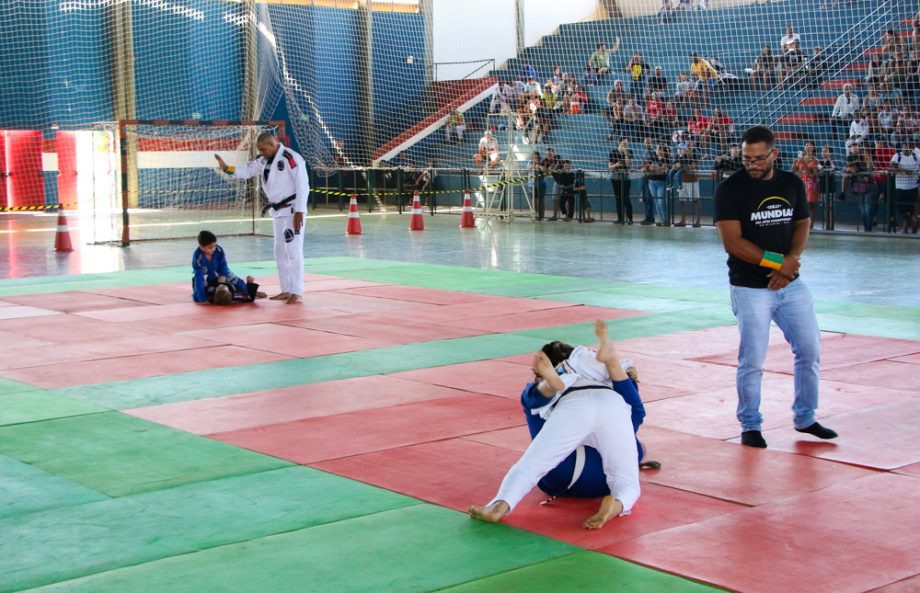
[(213, 281)]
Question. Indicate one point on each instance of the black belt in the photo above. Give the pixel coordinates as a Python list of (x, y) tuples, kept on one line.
[(278, 205), (578, 388)]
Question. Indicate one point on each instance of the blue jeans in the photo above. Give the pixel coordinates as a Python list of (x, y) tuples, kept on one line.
[(793, 311), (657, 189)]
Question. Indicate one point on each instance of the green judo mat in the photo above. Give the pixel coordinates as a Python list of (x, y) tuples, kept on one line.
[(117, 454)]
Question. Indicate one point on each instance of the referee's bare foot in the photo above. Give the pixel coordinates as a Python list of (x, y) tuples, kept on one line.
[(293, 299), (281, 297), (610, 508), (491, 513)]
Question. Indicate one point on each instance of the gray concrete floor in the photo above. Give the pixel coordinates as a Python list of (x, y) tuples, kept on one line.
[(880, 270)]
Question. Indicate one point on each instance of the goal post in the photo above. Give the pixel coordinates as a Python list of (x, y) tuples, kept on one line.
[(167, 184)]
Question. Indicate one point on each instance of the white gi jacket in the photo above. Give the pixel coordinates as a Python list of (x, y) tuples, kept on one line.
[(287, 176)]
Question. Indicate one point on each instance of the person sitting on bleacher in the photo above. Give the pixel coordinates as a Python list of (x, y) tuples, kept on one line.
[(762, 70), (487, 145), (658, 83), (844, 109), (704, 74), (728, 162), (600, 60), (683, 89)]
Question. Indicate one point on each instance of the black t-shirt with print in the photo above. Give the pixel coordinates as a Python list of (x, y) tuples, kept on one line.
[(767, 211)]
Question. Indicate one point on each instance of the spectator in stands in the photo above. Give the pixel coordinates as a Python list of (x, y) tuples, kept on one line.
[(887, 118), (859, 185), (619, 163), (876, 71), (882, 157), (873, 100), (698, 127), (498, 97), (652, 119), (683, 89), (557, 75), (600, 60), (552, 164), (806, 167), (892, 42), (531, 90), (844, 109), (670, 116), (528, 71), (565, 179), (457, 123), (666, 12), (826, 170), (580, 96), (794, 62), (762, 71), (816, 68), (721, 128), (690, 186), (632, 119), (658, 83), (537, 185), (905, 130), (897, 70), (402, 161), (906, 165), (704, 74), (656, 169), (638, 70), (893, 94), (487, 144), (728, 162), (859, 129), (791, 37)]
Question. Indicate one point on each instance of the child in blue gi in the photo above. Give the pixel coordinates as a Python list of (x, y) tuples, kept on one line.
[(213, 281)]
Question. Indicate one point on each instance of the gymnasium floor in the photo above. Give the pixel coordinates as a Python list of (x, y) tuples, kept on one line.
[(151, 445)]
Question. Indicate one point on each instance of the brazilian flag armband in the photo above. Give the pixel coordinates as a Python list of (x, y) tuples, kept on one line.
[(771, 260)]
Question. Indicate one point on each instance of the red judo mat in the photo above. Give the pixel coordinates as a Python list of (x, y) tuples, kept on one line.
[(53, 376), (74, 302), (713, 413), (491, 377), (716, 469), (276, 406), (837, 350), (398, 328), (911, 585), (25, 352), (910, 470), (160, 294), (291, 341), (422, 295), (814, 542), (881, 373), (884, 437), (510, 322), (343, 435), (459, 472)]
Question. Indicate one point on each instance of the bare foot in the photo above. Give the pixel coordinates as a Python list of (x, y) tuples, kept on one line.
[(491, 513), (293, 299), (283, 296), (261, 295), (610, 508), (605, 352)]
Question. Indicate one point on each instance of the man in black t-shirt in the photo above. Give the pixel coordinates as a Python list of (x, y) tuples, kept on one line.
[(763, 220)]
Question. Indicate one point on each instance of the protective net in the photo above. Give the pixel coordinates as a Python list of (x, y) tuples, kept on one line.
[(161, 180), (358, 87)]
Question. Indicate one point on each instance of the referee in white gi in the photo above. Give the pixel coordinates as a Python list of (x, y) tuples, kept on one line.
[(287, 187)]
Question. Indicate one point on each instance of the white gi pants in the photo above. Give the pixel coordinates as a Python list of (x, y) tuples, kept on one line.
[(289, 253), (598, 418)]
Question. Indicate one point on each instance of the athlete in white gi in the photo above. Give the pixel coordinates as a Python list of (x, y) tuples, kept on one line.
[(287, 187), (581, 409)]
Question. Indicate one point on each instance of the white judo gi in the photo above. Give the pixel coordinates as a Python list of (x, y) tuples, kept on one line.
[(282, 178), (598, 418)]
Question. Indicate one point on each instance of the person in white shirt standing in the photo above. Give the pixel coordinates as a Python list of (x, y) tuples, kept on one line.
[(845, 108), (287, 187), (906, 165)]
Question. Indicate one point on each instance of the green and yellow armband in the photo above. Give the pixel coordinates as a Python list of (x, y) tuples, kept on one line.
[(230, 170), (772, 260)]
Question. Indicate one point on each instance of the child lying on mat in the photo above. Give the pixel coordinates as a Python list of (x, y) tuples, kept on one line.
[(213, 281)]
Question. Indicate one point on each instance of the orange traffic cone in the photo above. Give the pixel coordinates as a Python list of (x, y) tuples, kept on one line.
[(62, 238), (354, 219), (467, 220), (416, 221)]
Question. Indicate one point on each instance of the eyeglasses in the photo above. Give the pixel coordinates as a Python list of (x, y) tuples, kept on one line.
[(750, 160)]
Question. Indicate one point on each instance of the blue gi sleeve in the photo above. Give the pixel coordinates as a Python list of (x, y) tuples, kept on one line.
[(627, 389), (200, 277), (220, 259)]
